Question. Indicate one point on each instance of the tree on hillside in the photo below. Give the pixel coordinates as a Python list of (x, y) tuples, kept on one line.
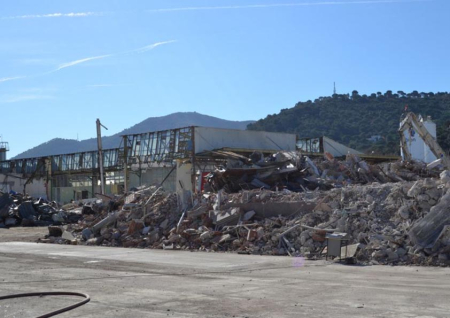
[(353, 119), (355, 94), (415, 94)]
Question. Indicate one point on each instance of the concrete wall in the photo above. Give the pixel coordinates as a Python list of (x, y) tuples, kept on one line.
[(37, 187), (14, 182), (154, 176), (274, 209), (214, 138), (65, 194), (428, 156), (417, 147), (184, 184), (183, 179)]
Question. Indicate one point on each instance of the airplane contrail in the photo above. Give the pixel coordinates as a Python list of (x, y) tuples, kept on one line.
[(204, 8), (69, 64), (6, 79), (150, 47), (54, 15), (278, 5), (87, 59)]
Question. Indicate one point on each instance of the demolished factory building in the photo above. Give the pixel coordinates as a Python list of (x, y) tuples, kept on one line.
[(250, 192), (178, 157)]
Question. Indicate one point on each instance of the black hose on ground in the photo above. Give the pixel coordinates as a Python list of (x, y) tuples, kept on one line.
[(56, 312)]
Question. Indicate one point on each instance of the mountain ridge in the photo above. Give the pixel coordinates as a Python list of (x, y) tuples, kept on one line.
[(58, 146)]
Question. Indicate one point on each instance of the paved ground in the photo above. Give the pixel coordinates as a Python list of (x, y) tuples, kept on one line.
[(154, 283)]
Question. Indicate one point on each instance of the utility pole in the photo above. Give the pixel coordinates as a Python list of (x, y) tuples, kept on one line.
[(125, 164), (100, 154)]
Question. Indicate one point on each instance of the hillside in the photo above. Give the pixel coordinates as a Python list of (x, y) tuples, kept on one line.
[(352, 119), (175, 120)]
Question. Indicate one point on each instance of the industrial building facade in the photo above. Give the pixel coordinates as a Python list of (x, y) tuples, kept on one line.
[(177, 157)]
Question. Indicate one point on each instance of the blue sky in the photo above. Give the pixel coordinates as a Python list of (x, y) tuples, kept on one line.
[(65, 63)]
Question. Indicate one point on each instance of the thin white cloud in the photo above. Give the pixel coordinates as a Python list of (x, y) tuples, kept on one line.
[(148, 47), (106, 85), (87, 59), (55, 15), (24, 98), (247, 6), (278, 5), (6, 79), (139, 50)]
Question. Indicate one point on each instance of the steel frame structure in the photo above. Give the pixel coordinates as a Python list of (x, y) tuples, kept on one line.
[(159, 146)]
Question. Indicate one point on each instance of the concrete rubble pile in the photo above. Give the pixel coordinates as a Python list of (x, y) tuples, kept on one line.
[(404, 222), (17, 209), (298, 173)]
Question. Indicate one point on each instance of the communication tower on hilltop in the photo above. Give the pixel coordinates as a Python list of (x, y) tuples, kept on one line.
[(334, 89), (4, 147)]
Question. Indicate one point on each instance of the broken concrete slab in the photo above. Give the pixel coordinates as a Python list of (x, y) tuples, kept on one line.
[(225, 217), (427, 230), (248, 215), (111, 218)]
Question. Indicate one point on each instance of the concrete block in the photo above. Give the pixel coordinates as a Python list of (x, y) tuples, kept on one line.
[(68, 236)]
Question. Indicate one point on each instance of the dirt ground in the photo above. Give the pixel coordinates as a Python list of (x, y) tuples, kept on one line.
[(22, 234)]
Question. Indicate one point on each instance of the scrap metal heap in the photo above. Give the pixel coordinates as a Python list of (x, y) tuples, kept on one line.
[(394, 213), (17, 209)]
